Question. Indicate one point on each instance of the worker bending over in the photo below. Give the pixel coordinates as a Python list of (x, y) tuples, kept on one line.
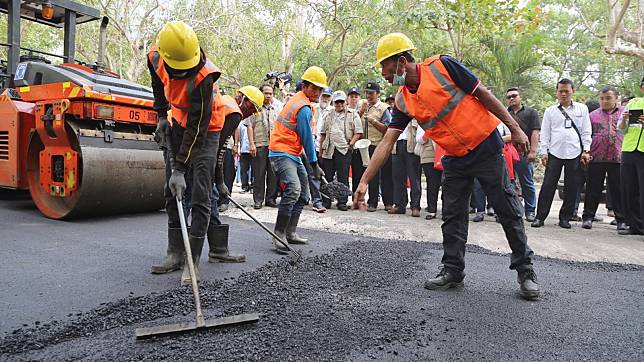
[(182, 81), (461, 115), (231, 110)]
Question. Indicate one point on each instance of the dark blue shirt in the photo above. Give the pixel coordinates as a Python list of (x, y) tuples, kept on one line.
[(468, 82)]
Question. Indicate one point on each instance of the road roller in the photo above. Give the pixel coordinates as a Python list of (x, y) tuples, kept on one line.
[(76, 135)]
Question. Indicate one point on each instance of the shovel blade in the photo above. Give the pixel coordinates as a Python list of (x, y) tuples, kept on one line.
[(185, 327)]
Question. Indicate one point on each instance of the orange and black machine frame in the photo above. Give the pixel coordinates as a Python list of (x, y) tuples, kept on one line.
[(79, 138)]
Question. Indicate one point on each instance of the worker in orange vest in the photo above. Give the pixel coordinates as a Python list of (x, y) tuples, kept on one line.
[(290, 139), (461, 115), (230, 111), (182, 81)]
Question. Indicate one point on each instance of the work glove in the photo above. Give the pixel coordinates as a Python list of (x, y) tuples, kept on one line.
[(159, 134), (177, 184), (223, 190), (316, 171)]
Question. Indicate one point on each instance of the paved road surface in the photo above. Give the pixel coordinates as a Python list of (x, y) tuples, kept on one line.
[(81, 288)]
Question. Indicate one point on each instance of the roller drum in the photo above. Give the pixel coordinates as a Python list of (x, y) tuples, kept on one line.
[(124, 176)]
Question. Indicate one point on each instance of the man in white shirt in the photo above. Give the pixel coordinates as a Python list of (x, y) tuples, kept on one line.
[(566, 135), (341, 128)]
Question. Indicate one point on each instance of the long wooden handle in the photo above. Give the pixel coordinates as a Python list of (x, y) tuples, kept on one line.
[(191, 266)]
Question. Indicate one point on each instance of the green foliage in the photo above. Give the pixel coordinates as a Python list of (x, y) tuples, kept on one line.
[(530, 44)]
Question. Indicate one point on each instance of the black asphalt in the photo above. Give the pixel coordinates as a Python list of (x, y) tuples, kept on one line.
[(77, 290)]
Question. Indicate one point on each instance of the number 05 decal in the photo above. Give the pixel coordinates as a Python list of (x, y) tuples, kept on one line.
[(135, 115)]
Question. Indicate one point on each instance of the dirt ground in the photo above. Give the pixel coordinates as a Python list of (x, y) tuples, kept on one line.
[(602, 243)]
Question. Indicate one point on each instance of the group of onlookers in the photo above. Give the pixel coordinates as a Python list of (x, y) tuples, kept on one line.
[(586, 141)]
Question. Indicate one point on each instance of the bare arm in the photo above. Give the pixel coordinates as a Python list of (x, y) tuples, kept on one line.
[(379, 125), (356, 137), (496, 108)]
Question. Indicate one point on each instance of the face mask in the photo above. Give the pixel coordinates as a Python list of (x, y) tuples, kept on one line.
[(399, 80), (324, 104)]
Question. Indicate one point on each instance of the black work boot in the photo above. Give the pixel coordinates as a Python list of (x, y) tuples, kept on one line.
[(446, 279), (218, 243), (196, 244), (174, 255), (291, 235), (529, 288), (587, 224), (280, 230)]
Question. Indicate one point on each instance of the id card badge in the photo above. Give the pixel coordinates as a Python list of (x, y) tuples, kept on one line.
[(568, 123)]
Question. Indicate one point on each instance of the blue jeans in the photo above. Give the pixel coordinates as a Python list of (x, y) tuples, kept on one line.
[(295, 178), (524, 173)]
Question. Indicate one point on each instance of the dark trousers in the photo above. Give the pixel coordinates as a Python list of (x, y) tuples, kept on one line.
[(597, 172), (199, 179), (229, 173), (399, 174), (337, 167), (384, 181), (478, 197), (457, 189), (356, 169), (433, 179), (571, 169), (632, 184), (245, 171), (405, 165), (264, 181), (524, 172)]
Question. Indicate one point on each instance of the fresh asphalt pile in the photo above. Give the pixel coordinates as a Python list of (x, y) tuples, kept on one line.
[(365, 301)]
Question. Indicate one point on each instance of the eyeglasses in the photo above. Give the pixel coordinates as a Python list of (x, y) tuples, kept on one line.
[(511, 96)]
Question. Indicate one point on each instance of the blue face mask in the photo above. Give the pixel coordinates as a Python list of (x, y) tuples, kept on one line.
[(399, 80)]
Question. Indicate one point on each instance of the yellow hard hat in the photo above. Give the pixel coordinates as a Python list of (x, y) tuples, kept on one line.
[(315, 75), (178, 45), (392, 44), (254, 94)]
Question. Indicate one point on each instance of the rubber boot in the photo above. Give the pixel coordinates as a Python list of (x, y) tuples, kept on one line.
[(280, 229), (218, 242), (196, 244), (291, 235), (175, 254)]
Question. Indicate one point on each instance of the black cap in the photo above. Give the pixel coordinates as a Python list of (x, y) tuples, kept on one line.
[(372, 86), (353, 90), (391, 96)]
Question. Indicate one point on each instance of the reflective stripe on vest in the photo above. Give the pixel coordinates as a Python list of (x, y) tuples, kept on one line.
[(286, 121), (457, 121), (284, 137)]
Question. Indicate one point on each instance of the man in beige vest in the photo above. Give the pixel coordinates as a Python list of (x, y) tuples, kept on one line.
[(341, 128), (375, 118), (259, 128)]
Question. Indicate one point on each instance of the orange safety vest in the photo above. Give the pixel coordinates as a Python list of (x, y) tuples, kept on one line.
[(177, 91), (284, 138), (222, 106), (456, 121)]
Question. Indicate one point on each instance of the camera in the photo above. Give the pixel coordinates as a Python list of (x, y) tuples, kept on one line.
[(274, 76)]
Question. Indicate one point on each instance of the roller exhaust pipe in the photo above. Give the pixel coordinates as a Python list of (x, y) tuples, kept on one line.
[(101, 42)]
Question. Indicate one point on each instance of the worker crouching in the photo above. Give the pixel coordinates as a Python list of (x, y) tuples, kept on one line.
[(290, 139)]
